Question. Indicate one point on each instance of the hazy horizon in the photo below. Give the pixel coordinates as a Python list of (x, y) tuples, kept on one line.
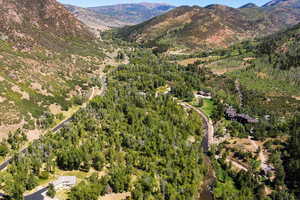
[(232, 3)]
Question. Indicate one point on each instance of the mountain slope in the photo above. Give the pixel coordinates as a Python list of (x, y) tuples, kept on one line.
[(283, 49), (282, 3), (27, 21), (215, 25), (133, 13), (286, 11), (196, 27), (95, 20), (47, 61)]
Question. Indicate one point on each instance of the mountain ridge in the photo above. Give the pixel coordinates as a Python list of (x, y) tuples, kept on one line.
[(194, 26), (95, 20), (274, 3), (119, 15), (220, 26), (249, 5), (133, 13)]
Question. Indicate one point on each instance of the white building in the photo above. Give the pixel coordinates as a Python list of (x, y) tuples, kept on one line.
[(64, 182), (203, 95)]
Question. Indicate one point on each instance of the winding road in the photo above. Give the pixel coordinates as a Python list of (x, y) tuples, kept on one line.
[(206, 193), (209, 128), (5, 163), (39, 195)]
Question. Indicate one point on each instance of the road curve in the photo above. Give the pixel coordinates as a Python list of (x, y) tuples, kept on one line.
[(209, 128), (39, 195)]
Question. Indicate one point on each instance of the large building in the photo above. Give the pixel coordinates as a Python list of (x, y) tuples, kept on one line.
[(232, 114)]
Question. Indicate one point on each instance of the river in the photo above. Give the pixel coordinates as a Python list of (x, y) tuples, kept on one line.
[(205, 191)]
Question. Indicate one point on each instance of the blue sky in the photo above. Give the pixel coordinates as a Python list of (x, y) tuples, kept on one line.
[(233, 3)]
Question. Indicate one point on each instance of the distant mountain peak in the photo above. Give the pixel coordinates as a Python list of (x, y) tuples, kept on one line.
[(133, 13), (216, 6), (153, 5), (249, 5), (277, 2)]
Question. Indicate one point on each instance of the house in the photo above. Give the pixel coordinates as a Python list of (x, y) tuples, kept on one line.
[(64, 182), (232, 114), (203, 95)]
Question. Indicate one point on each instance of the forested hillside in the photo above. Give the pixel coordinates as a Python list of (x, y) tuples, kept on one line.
[(283, 49)]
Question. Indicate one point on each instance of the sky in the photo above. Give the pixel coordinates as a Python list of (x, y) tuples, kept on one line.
[(232, 3)]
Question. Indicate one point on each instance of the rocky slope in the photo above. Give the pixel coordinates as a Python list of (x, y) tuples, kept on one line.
[(28, 20), (47, 63)]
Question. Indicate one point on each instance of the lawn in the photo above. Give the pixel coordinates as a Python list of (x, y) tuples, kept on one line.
[(208, 107), (62, 194)]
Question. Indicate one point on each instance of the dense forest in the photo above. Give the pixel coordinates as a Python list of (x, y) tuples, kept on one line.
[(292, 157)]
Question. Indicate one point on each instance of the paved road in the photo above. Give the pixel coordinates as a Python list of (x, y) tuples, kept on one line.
[(39, 195), (209, 133), (4, 164)]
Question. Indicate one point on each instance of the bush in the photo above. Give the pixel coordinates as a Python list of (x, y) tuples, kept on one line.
[(44, 175), (3, 150), (51, 191)]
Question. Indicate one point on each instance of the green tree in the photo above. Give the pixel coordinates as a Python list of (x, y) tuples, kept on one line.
[(51, 191), (3, 149)]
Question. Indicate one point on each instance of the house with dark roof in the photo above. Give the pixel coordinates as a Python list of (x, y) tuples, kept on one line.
[(232, 114)]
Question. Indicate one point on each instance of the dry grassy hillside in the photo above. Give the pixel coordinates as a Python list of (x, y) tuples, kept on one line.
[(48, 61), (214, 26)]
